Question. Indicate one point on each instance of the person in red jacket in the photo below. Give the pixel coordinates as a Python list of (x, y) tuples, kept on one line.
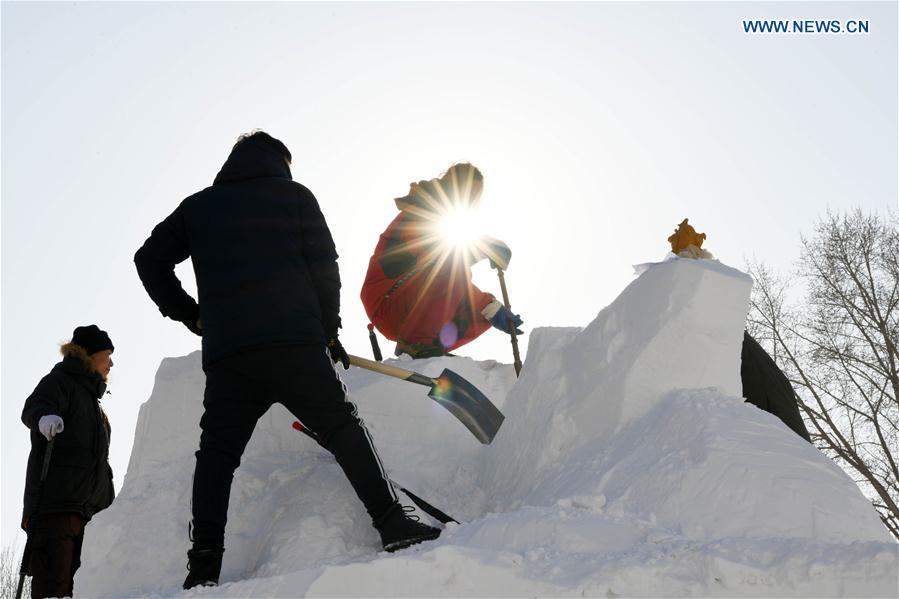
[(418, 289)]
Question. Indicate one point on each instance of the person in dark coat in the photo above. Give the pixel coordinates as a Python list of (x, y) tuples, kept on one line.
[(766, 386), (268, 311), (65, 407)]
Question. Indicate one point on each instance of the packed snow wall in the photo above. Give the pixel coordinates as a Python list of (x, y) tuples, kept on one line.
[(643, 408), (678, 326), (628, 464)]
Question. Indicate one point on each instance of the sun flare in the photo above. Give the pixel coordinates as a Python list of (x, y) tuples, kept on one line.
[(460, 227)]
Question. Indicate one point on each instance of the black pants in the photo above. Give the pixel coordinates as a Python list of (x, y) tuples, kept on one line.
[(55, 554), (239, 390)]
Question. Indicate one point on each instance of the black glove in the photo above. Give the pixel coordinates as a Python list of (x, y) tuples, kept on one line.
[(194, 326), (338, 354)]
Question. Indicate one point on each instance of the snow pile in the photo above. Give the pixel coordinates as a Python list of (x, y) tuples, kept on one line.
[(627, 465)]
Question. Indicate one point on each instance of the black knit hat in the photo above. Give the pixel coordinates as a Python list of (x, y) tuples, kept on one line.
[(92, 339)]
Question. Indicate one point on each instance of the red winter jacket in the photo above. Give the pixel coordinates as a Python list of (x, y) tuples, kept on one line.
[(418, 291)]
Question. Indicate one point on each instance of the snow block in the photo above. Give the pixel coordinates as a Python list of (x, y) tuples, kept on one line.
[(642, 413), (170, 426), (679, 325)]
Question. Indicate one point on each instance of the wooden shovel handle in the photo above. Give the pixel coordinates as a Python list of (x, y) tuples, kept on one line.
[(515, 354), (394, 371)]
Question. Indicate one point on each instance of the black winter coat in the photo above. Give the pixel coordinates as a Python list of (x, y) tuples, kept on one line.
[(79, 479), (263, 257), (766, 386)]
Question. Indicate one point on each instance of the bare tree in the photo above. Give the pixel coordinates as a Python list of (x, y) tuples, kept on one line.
[(838, 345), (10, 559)]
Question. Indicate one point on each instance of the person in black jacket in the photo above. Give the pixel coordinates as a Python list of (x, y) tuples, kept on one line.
[(65, 407), (767, 387), (268, 287)]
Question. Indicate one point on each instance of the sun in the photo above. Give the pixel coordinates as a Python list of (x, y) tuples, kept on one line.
[(460, 228)]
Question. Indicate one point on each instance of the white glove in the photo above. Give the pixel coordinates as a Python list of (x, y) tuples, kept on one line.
[(50, 425)]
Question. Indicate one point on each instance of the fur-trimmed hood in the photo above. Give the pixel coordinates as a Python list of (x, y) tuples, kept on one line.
[(73, 352)]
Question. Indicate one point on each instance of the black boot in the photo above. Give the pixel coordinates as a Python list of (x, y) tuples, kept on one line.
[(204, 566), (399, 531), (420, 350)]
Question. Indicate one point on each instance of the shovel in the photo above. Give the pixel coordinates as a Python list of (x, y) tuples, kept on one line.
[(502, 284), (29, 522), (461, 398)]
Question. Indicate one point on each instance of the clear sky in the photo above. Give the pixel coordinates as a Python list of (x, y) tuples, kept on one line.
[(598, 128)]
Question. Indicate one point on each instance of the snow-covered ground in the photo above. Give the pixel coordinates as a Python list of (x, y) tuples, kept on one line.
[(628, 464)]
